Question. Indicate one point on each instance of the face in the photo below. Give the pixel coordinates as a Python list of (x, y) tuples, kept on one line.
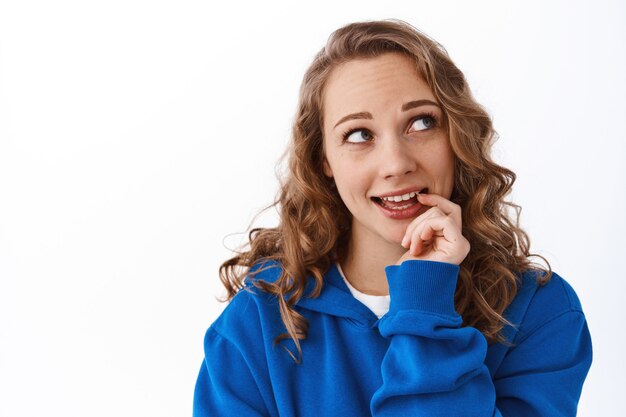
[(384, 135)]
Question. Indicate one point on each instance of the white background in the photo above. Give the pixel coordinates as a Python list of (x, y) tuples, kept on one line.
[(139, 138)]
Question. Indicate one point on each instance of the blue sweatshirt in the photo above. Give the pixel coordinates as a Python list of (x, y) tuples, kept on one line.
[(416, 360)]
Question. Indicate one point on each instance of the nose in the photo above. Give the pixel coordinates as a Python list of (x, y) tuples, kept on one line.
[(396, 158)]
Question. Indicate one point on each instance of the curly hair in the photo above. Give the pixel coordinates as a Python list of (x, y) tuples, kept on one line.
[(315, 225)]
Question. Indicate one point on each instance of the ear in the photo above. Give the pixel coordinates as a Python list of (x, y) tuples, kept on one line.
[(327, 171)]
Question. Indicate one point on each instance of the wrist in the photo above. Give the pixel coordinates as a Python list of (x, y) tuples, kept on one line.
[(423, 285)]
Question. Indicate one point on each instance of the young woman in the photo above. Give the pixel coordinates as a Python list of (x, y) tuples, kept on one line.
[(395, 284)]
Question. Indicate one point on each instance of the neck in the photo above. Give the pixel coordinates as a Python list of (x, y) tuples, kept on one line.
[(365, 262)]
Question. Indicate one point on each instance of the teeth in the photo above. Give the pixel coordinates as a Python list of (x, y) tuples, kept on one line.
[(398, 198)]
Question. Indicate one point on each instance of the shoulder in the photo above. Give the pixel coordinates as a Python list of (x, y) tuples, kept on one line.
[(251, 312), (551, 349), (267, 270), (555, 296), (537, 304)]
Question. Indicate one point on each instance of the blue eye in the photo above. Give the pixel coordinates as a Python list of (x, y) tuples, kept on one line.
[(425, 122), (422, 122), (357, 135)]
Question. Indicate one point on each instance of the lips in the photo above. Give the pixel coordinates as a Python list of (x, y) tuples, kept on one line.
[(400, 210), (406, 210)]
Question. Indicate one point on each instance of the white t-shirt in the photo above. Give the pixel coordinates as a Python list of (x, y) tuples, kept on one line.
[(379, 304)]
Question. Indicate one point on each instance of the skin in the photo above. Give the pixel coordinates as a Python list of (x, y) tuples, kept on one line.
[(393, 150)]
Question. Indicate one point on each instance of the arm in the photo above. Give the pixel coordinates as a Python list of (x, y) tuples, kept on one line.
[(434, 367), (225, 384)]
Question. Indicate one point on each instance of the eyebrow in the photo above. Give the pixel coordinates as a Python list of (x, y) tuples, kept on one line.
[(406, 106)]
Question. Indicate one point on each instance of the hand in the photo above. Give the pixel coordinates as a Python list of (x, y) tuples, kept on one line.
[(435, 235)]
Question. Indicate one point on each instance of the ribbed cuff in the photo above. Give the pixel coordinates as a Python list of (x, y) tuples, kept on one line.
[(423, 285)]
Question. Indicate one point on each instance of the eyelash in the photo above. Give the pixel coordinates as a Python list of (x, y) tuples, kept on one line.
[(347, 133)]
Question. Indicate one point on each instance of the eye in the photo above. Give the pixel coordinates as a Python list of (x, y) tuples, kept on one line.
[(424, 122), (357, 136)]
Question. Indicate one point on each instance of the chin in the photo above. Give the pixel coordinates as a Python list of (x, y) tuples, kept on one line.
[(397, 237)]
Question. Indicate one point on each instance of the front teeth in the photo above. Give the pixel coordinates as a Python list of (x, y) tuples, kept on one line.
[(398, 198)]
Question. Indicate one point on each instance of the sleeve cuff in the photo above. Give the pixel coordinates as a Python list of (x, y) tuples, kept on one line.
[(423, 285)]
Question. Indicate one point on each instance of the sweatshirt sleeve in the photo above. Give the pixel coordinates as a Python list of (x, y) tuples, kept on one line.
[(435, 367), (225, 384)]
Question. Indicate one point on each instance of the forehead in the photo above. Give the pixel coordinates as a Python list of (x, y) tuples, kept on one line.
[(371, 84)]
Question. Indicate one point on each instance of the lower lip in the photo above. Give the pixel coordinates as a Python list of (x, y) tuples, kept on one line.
[(403, 214)]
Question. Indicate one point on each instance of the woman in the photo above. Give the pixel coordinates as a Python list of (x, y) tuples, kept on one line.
[(395, 283)]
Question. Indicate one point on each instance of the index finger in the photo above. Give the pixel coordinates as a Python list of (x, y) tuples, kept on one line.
[(448, 207)]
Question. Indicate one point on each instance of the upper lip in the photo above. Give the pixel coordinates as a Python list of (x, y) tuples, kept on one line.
[(401, 192)]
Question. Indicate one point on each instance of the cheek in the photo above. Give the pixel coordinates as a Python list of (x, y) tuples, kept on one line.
[(444, 157), (352, 182), (347, 180), (340, 166), (448, 166), (446, 170), (439, 163)]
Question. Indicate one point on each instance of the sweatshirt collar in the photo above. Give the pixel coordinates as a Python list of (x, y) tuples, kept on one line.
[(337, 300)]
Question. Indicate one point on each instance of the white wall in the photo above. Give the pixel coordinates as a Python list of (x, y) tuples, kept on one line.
[(135, 136)]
